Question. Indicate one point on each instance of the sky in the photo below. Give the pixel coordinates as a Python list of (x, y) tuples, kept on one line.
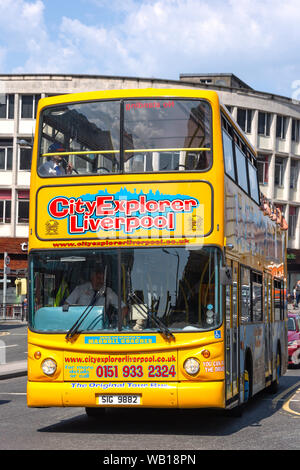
[(257, 40)]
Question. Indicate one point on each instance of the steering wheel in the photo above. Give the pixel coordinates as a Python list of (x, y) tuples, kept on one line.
[(103, 168)]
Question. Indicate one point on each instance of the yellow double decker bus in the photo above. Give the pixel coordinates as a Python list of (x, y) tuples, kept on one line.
[(156, 276)]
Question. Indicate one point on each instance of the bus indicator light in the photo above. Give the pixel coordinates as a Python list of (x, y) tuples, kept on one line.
[(205, 353)]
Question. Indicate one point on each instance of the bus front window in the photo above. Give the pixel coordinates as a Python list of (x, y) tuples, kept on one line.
[(126, 289)]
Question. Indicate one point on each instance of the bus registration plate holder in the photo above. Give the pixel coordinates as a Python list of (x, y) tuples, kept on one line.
[(119, 399)]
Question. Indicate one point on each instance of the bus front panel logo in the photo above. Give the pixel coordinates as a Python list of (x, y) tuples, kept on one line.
[(123, 211)]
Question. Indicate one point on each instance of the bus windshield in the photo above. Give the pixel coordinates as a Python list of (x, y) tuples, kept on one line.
[(178, 286), (131, 136)]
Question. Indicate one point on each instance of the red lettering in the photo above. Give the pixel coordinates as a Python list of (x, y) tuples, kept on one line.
[(163, 205), (132, 206), (94, 224), (131, 224), (73, 227), (107, 223), (59, 207), (90, 207), (152, 206), (79, 206), (105, 205), (147, 222), (177, 205), (189, 203)]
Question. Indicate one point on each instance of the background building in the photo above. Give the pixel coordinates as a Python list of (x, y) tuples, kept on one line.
[(271, 123)]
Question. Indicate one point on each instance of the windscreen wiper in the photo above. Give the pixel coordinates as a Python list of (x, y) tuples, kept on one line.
[(75, 327), (146, 313)]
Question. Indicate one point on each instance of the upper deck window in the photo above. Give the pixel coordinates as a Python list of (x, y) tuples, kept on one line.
[(81, 138), (241, 168), (132, 136), (167, 135)]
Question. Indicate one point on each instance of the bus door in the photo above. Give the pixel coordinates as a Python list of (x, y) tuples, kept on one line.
[(268, 325), (232, 335)]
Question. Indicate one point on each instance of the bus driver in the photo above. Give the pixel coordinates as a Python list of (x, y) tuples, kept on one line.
[(55, 164), (87, 292)]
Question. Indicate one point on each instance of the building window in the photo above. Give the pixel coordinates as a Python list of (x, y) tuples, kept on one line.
[(23, 206), (23, 211), (29, 106), (244, 119), (263, 168), (6, 150), (7, 104), (264, 123), (294, 174), (281, 124), (25, 158), (229, 108), (295, 130), (5, 207), (292, 221), (279, 171)]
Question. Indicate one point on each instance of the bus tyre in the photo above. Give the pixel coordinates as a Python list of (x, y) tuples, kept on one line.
[(236, 412), (95, 412), (273, 388)]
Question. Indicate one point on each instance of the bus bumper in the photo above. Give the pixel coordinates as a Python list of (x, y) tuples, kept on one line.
[(151, 394)]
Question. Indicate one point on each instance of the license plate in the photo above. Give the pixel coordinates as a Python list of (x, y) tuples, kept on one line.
[(127, 400)]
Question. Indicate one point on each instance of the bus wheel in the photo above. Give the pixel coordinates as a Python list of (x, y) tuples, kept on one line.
[(273, 388), (95, 412), (236, 412)]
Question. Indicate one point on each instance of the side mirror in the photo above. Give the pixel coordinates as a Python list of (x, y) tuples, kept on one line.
[(226, 276)]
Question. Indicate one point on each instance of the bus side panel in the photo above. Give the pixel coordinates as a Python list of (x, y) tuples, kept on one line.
[(279, 343), (252, 339)]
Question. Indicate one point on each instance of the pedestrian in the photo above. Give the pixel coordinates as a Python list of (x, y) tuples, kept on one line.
[(24, 309), (297, 288)]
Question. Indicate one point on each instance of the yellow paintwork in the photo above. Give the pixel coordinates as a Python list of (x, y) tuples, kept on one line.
[(42, 188), (206, 389), (61, 229), (164, 395), (69, 388)]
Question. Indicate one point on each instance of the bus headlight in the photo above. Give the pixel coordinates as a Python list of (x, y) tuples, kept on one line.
[(191, 366), (49, 366)]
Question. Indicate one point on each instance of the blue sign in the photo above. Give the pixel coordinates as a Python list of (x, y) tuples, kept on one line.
[(217, 334), (125, 340)]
